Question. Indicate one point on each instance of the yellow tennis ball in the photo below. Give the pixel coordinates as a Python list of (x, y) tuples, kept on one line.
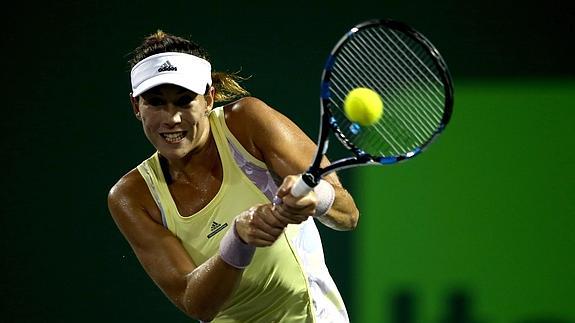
[(363, 105)]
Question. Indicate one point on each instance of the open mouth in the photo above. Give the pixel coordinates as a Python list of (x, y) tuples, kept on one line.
[(174, 137)]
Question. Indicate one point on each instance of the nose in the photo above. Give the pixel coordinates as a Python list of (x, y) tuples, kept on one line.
[(174, 116)]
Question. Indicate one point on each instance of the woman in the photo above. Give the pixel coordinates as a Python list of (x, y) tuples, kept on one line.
[(197, 213)]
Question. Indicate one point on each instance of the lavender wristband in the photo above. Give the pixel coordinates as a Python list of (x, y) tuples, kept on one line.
[(234, 251)]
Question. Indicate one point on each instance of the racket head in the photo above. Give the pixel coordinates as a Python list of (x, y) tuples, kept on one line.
[(409, 74)]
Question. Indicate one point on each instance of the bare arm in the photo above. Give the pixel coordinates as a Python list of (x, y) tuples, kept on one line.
[(199, 291), (287, 150)]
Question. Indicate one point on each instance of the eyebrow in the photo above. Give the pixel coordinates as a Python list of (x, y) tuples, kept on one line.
[(156, 90)]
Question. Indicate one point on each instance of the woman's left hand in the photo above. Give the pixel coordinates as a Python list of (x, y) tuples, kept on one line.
[(291, 209)]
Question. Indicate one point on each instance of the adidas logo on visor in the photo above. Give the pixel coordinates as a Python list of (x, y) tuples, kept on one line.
[(167, 66)]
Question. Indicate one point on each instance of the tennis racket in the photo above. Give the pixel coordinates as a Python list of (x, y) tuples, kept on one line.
[(411, 77)]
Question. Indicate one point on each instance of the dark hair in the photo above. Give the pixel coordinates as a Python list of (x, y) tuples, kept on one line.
[(226, 84)]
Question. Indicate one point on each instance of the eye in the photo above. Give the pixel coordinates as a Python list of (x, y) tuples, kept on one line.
[(184, 100), (155, 101)]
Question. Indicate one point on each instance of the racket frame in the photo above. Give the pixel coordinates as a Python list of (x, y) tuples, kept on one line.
[(328, 122)]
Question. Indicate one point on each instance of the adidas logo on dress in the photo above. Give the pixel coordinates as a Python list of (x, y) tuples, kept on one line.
[(215, 228)]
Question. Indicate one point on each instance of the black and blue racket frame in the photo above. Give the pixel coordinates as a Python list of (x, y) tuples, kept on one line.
[(327, 121)]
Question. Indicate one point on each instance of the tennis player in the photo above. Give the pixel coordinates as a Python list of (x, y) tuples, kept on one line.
[(198, 213)]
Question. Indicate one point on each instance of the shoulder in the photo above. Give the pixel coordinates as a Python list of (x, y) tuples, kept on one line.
[(255, 117), (250, 120), (130, 192), (269, 136), (248, 109), (126, 184), (124, 190)]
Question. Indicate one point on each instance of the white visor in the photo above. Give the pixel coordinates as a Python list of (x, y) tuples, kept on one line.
[(185, 70)]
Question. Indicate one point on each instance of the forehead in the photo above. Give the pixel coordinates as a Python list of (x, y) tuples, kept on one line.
[(168, 89)]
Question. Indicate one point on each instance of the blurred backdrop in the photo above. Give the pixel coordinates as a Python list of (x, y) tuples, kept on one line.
[(477, 229)]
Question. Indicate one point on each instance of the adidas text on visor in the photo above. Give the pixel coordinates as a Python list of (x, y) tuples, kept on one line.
[(185, 70)]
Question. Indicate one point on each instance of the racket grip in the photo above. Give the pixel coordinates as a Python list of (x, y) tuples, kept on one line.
[(300, 188)]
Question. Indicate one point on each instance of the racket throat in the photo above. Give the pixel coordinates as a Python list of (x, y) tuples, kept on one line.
[(310, 179)]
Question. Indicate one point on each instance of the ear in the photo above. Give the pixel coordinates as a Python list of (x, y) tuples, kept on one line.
[(210, 97), (135, 106)]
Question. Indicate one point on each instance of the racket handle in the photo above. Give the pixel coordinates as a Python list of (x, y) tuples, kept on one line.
[(300, 188)]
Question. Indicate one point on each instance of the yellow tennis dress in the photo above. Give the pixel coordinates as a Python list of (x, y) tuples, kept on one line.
[(287, 282)]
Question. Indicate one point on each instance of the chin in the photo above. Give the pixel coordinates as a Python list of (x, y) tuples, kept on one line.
[(172, 151), (174, 154)]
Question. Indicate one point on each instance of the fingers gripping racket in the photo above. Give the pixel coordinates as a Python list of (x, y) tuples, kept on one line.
[(413, 82)]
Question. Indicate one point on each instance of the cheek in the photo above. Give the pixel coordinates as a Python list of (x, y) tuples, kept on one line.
[(194, 118), (198, 128), (145, 122), (198, 114), (149, 125), (150, 118)]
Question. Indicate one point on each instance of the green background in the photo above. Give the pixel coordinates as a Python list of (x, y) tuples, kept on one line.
[(484, 217), (482, 223)]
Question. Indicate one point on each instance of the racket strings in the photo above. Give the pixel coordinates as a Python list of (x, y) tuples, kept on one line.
[(402, 82), (399, 81), (398, 101), (411, 74), (402, 72), (404, 76), (342, 89), (350, 69), (390, 138)]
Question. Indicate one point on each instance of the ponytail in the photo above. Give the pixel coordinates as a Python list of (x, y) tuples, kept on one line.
[(227, 86)]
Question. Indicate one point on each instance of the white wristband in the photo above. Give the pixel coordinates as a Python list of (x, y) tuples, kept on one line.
[(325, 196)]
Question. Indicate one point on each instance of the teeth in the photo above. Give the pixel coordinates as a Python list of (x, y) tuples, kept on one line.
[(174, 136)]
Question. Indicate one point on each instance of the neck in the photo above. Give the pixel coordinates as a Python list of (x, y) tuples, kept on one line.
[(198, 162)]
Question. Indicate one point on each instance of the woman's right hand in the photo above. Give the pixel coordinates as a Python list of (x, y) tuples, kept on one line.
[(259, 226)]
